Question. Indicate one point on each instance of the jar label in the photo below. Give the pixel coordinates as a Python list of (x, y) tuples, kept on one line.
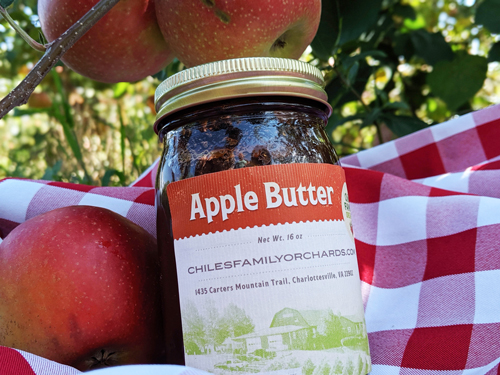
[(267, 271)]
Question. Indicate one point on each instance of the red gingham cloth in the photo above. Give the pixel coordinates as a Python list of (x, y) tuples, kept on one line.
[(426, 216)]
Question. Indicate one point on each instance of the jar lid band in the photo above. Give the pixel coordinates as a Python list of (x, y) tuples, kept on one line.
[(237, 78)]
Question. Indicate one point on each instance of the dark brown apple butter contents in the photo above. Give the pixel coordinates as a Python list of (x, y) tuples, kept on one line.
[(238, 133)]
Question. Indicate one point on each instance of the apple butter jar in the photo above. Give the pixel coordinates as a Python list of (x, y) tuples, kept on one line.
[(259, 266)]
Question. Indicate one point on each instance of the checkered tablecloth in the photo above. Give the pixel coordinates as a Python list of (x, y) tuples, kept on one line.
[(426, 216)]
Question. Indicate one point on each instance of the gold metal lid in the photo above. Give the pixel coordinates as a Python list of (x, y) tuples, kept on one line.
[(236, 78)]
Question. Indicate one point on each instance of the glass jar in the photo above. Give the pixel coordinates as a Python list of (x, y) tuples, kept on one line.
[(240, 121)]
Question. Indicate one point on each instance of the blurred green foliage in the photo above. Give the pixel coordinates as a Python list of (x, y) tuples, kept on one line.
[(392, 67), (395, 67)]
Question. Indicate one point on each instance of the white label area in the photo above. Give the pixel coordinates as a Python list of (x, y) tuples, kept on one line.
[(278, 299)]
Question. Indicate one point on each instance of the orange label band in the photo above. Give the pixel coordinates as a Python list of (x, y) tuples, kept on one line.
[(256, 196)]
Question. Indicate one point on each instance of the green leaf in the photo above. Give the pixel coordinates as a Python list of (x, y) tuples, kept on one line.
[(67, 122), (343, 21), (402, 125), (339, 94), (122, 137), (120, 89), (413, 87), (361, 56), (70, 136), (394, 106), (382, 96), (403, 46), (327, 36), (51, 172), (6, 3), (70, 121), (41, 37), (405, 11), (431, 47), (110, 173), (416, 24), (171, 69), (353, 72), (371, 117), (160, 76), (487, 15), (30, 111), (494, 54), (334, 122), (458, 80)]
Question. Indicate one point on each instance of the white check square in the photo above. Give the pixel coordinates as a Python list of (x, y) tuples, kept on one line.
[(452, 127), (391, 309), (385, 152), (450, 181), (119, 206), (384, 370), (487, 297), (488, 212), (401, 220), (15, 207)]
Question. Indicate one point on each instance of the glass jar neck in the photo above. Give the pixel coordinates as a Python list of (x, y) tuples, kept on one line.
[(241, 106)]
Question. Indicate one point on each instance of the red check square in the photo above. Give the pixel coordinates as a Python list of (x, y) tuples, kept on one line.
[(366, 261), (451, 255), (424, 162), (489, 134), (430, 349), (357, 182), (13, 363)]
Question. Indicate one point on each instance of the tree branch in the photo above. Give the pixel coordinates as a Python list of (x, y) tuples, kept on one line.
[(55, 50)]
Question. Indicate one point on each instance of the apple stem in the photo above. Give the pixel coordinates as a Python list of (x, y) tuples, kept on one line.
[(33, 43), (54, 50), (103, 359)]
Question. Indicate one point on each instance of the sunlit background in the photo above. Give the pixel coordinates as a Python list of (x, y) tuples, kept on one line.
[(386, 75)]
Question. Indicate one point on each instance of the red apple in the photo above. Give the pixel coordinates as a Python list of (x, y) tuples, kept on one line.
[(80, 285), (201, 31), (125, 45)]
